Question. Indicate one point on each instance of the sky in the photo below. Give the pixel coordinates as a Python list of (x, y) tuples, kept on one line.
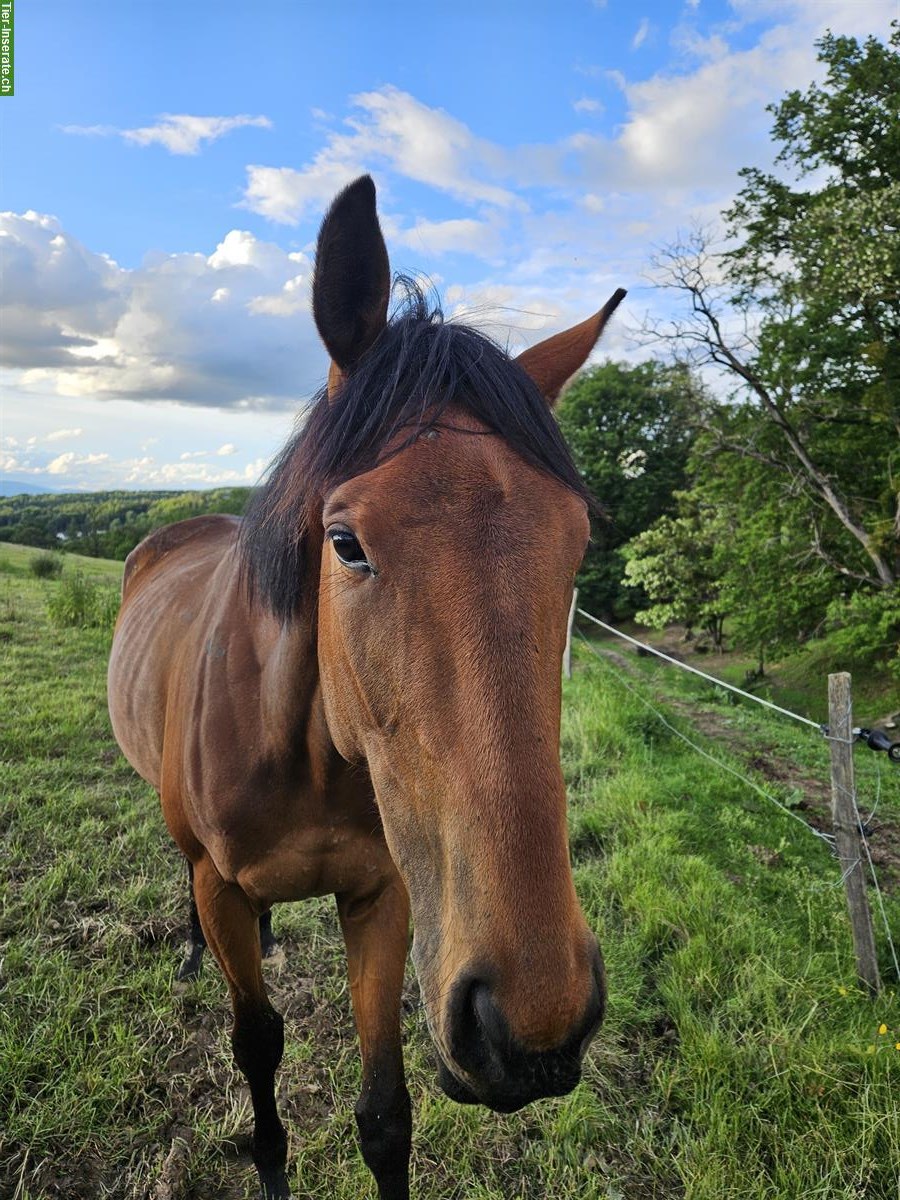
[(165, 168)]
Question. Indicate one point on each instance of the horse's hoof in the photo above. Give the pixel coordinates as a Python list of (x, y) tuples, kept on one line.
[(190, 965), (274, 956), (274, 1187)]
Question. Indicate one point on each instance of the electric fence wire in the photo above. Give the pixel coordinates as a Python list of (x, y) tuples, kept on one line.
[(818, 833), (703, 675), (825, 837)]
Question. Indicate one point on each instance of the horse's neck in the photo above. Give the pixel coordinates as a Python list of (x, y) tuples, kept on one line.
[(293, 712), (289, 686)]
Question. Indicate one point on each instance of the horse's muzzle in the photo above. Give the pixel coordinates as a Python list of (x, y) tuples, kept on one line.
[(499, 1072)]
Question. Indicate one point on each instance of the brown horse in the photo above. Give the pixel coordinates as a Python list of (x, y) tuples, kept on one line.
[(356, 690)]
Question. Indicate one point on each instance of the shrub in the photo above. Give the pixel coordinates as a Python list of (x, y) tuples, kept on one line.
[(46, 565), (81, 602)]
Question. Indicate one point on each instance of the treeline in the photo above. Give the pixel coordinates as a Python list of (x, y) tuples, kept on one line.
[(105, 524), (770, 509)]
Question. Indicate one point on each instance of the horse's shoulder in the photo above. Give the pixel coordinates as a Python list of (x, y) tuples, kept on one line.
[(198, 532)]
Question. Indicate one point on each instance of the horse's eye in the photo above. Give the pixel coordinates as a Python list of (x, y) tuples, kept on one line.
[(349, 551)]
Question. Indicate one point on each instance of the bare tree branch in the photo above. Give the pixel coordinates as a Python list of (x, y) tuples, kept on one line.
[(701, 340)]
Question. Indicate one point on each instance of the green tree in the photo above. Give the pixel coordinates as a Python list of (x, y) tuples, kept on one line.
[(674, 563), (801, 312), (630, 433)]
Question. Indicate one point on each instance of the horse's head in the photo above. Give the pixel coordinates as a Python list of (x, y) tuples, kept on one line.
[(446, 576)]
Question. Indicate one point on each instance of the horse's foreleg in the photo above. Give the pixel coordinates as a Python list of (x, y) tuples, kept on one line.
[(232, 931), (193, 959), (376, 933)]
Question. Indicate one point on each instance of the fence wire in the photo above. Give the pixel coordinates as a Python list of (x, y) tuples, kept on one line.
[(827, 838)]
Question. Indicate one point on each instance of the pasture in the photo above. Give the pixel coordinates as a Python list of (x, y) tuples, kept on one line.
[(738, 1060)]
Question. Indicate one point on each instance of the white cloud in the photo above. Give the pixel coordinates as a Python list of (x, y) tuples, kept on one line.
[(65, 463), (393, 129), (592, 202), (285, 195), (460, 236), (641, 36), (226, 450), (179, 133), (229, 329), (587, 104), (58, 297), (294, 297), (63, 435), (147, 472)]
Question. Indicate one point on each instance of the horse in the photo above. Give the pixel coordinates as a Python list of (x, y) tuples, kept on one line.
[(355, 689)]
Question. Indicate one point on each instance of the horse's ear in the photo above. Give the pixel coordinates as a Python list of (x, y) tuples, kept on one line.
[(352, 280), (551, 362)]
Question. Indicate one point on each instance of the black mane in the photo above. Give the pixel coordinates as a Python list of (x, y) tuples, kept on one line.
[(418, 366)]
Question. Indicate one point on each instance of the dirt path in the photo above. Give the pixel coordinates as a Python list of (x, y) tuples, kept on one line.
[(814, 804)]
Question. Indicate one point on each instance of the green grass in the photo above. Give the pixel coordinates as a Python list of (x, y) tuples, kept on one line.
[(15, 560), (738, 1060)]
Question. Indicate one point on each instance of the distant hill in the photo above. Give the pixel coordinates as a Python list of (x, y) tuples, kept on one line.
[(18, 487), (104, 524)]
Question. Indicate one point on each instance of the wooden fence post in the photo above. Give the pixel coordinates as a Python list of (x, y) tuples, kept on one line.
[(845, 823), (567, 653)]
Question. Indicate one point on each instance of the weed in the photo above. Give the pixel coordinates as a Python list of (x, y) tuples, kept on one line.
[(80, 602), (46, 565)]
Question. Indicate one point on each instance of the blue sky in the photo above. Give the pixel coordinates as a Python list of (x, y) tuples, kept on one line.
[(166, 167)]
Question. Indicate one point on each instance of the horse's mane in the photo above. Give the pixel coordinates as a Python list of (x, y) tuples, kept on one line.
[(416, 369)]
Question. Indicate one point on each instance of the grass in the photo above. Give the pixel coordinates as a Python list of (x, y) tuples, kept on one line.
[(16, 560), (738, 1060)]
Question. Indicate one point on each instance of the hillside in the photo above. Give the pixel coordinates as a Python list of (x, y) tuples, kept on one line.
[(738, 1060), (106, 524), (19, 487)]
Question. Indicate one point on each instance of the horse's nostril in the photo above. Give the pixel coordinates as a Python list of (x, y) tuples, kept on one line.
[(488, 1016), (467, 1042)]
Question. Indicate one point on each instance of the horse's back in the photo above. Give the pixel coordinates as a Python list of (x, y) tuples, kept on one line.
[(209, 532), (169, 580)]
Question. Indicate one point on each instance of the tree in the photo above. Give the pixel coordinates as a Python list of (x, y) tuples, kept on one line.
[(802, 313), (674, 564), (630, 434)]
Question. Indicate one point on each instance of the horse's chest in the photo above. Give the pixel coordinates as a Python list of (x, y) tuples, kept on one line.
[(315, 862), (291, 843)]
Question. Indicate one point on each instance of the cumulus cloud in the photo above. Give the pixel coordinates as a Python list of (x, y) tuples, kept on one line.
[(59, 297), (230, 329), (641, 35), (556, 225), (179, 133), (65, 463), (147, 472)]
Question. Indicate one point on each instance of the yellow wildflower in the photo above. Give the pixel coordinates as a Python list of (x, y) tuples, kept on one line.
[(882, 1028)]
